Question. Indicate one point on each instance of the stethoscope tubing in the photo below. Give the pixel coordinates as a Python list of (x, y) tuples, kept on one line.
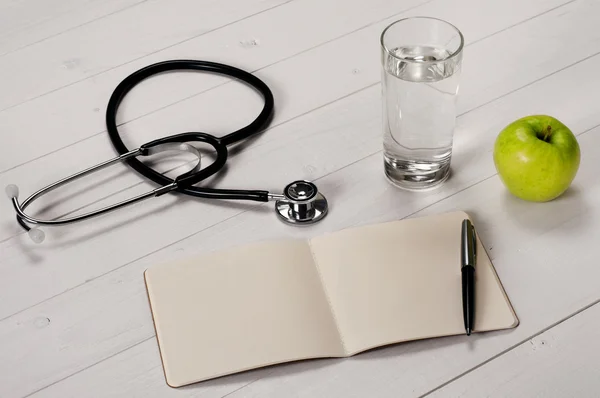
[(185, 182)]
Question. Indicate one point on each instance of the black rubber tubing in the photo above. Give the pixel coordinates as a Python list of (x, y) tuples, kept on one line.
[(185, 184)]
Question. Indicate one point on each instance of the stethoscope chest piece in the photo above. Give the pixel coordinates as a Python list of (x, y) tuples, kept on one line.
[(302, 203)]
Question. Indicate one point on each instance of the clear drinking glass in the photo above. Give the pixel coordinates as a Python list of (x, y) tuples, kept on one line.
[(421, 61)]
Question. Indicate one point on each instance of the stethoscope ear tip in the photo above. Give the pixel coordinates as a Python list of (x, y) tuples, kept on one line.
[(36, 235), (12, 191)]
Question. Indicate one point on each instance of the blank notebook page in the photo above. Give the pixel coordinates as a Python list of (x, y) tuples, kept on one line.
[(240, 309), (401, 281)]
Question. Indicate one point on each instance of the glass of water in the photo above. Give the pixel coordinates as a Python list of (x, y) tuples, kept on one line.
[(421, 61)]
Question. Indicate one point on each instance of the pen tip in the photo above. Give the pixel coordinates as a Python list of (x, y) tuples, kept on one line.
[(468, 331)]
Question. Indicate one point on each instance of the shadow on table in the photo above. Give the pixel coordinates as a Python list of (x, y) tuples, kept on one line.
[(385, 354), (266, 373), (545, 216)]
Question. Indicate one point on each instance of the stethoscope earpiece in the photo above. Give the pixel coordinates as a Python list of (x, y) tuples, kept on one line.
[(301, 203)]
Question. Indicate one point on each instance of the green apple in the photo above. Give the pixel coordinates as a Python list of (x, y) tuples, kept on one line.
[(536, 157)]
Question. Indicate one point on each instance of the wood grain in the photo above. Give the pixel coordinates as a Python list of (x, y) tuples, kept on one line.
[(28, 22), (521, 257), (91, 49), (76, 321), (76, 112), (561, 362), (92, 152), (527, 245), (123, 290)]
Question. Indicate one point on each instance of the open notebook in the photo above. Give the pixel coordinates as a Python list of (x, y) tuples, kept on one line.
[(331, 296)]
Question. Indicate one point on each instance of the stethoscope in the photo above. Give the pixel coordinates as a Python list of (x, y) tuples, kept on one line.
[(300, 203)]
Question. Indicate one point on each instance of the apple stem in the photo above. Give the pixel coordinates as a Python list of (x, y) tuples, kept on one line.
[(547, 133)]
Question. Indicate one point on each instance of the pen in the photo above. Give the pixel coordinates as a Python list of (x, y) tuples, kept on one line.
[(468, 260)]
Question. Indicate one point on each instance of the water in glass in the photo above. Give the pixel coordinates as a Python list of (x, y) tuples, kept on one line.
[(419, 98)]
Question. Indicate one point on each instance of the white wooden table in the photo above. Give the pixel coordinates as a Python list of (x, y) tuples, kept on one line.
[(74, 317)]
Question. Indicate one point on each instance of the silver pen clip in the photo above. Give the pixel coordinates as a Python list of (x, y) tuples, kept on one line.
[(468, 244)]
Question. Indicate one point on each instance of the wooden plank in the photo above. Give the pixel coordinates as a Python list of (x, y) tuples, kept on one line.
[(138, 373), (61, 347), (29, 21), (174, 223), (561, 362), (86, 100), (76, 112), (113, 308), (526, 242), (161, 121), (112, 41), (91, 152), (530, 245), (16, 16)]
